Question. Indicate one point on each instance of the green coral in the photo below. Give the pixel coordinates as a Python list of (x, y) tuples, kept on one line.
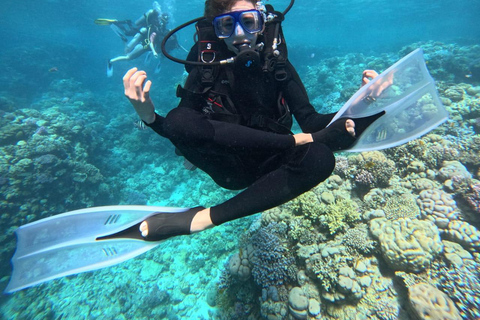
[(307, 205), (326, 271), (359, 239), (301, 230), (340, 214)]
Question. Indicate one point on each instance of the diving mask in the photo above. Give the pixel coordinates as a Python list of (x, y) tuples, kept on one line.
[(251, 21)]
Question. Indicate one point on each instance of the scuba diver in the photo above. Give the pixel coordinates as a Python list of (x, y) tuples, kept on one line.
[(233, 121), (147, 34)]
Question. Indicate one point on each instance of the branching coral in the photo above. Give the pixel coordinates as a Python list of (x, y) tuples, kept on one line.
[(340, 214), (359, 239), (273, 264)]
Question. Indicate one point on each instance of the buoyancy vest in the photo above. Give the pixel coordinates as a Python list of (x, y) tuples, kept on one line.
[(214, 90)]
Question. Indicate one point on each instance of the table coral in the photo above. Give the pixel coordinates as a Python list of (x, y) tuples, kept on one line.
[(407, 244), (429, 303)]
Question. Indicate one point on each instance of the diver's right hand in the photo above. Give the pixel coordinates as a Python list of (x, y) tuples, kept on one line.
[(138, 92)]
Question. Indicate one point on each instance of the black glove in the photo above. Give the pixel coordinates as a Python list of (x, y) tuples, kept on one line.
[(336, 136)]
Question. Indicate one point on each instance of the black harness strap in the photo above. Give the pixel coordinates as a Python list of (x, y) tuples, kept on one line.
[(208, 48)]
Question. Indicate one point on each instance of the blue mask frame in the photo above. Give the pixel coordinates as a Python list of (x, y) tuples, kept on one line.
[(250, 20)]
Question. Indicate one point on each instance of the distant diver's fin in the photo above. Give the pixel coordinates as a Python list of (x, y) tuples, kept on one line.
[(158, 66), (407, 94), (104, 22), (79, 241), (109, 69), (119, 32), (148, 57)]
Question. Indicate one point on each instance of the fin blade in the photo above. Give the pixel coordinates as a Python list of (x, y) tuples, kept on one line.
[(104, 22), (406, 81), (408, 119), (80, 226), (109, 69), (66, 244), (72, 259)]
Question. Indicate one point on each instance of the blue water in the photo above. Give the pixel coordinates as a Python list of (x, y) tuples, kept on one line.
[(68, 141)]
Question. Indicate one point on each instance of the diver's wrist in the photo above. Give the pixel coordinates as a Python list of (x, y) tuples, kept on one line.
[(302, 138), (149, 119)]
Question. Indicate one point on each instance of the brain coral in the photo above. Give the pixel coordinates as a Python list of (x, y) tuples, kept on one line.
[(407, 245), (438, 207), (464, 233), (429, 303)]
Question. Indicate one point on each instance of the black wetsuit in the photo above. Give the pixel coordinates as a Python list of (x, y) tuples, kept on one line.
[(268, 164)]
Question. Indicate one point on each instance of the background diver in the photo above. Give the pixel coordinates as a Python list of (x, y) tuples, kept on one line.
[(147, 34)]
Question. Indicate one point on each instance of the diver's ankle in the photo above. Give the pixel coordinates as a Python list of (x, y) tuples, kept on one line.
[(201, 221)]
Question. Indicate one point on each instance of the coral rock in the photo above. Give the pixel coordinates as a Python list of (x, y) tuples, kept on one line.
[(429, 303), (298, 303), (407, 244), (451, 169), (438, 207), (464, 233), (457, 256), (313, 307)]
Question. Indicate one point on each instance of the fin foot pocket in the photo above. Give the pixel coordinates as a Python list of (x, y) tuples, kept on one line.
[(162, 226), (336, 136)]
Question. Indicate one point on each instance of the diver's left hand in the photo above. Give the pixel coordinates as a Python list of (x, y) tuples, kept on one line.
[(368, 75)]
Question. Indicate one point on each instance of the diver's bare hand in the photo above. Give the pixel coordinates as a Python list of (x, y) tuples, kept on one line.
[(302, 138), (138, 92), (368, 75)]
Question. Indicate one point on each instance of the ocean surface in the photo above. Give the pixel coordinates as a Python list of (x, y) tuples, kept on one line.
[(392, 234)]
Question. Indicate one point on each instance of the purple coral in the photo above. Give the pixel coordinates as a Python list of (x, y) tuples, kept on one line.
[(473, 197), (364, 178), (341, 166), (273, 265)]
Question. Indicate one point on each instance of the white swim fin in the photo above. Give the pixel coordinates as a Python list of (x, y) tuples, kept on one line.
[(407, 94), (79, 241)]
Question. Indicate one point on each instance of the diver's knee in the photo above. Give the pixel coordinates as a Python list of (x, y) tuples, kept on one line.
[(187, 125), (320, 161)]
